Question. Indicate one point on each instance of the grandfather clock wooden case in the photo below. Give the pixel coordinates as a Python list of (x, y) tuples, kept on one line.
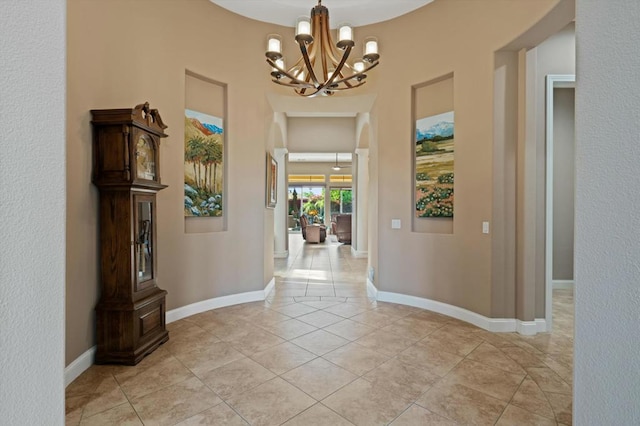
[(126, 169)]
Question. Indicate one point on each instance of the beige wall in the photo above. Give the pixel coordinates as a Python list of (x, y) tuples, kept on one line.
[(122, 53), (328, 134), (519, 157), (503, 224), (556, 55), (453, 268), (139, 50), (301, 168)]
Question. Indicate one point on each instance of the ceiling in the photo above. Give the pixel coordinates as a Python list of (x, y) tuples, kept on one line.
[(354, 12)]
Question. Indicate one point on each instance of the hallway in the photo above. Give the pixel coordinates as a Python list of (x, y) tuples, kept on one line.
[(328, 269), (319, 352)]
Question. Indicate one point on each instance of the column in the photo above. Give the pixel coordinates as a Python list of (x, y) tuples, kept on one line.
[(361, 240), (280, 230)]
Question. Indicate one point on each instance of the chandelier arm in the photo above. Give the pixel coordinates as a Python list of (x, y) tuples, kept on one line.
[(305, 55), (326, 46), (361, 73), (325, 68), (347, 82), (338, 69), (298, 63), (333, 54), (310, 95), (312, 52), (339, 89), (301, 86), (286, 74), (345, 79)]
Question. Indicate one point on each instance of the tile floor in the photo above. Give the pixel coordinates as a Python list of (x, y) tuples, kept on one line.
[(319, 352)]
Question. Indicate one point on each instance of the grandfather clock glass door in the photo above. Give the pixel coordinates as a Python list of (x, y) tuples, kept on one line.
[(144, 247)]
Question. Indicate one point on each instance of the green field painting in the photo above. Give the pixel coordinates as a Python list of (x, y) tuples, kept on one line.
[(434, 152)]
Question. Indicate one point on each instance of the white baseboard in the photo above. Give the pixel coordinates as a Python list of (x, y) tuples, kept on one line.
[(84, 361), (359, 253), (495, 325), (269, 288), (219, 302), (527, 328), (79, 365), (281, 254), (562, 284), (372, 291), (541, 325), (531, 328)]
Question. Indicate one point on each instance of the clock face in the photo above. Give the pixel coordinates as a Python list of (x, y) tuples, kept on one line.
[(145, 159)]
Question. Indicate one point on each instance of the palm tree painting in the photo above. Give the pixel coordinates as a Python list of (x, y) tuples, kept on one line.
[(203, 164)]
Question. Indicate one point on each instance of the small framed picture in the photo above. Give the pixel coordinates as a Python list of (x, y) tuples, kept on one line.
[(272, 182)]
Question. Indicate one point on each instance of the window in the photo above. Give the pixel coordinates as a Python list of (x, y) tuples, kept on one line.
[(341, 201), (307, 200)]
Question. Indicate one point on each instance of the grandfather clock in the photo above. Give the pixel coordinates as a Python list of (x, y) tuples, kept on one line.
[(126, 169)]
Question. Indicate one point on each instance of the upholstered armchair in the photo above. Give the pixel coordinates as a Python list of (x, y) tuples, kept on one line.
[(312, 233), (341, 227)]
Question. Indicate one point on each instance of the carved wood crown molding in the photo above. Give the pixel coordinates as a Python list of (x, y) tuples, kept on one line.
[(151, 117), (141, 115)]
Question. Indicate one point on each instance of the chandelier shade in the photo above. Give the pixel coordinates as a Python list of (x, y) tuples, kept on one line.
[(323, 68)]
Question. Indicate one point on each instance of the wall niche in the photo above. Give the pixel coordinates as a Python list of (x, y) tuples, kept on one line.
[(432, 148)]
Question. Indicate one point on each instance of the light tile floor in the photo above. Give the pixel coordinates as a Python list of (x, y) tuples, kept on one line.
[(319, 352)]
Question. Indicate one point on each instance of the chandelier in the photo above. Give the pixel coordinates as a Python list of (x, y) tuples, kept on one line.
[(323, 68)]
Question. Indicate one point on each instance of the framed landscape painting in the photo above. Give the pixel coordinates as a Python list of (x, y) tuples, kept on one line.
[(434, 152), (203, 164), (272, 182)]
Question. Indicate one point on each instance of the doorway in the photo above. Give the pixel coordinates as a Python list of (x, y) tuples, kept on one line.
[(560, 192), (307, 200)]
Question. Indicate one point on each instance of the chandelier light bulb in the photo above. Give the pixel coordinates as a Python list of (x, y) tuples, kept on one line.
[(274, 44), (371, 47), (303, 27), (371, 50), (345, 32), (358, 66)]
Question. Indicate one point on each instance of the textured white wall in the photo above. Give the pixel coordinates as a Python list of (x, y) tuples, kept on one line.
[(32, 211), (607, 241)]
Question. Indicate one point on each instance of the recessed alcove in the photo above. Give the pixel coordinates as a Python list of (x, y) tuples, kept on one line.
[(208, 96), (429, 99)]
